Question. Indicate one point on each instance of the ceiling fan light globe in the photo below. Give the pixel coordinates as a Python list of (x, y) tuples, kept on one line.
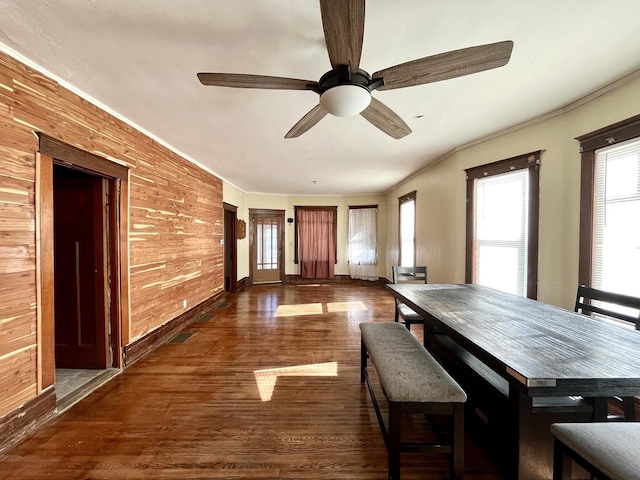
[(345, 100)]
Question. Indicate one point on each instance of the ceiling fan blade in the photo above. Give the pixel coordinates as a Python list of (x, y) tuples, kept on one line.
[(240, 80), (343, 24), (305, 123), (386, 119), (456, 63)]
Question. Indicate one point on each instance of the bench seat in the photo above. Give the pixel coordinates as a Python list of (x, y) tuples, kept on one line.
[(412, 382), (605, 450)]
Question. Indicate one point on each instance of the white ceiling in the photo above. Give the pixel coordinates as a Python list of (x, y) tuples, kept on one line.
[(139, 58)]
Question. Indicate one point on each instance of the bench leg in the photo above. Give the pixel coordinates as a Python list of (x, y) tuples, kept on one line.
[(363, 361), (561, 462), (457, 443), (393, 441)]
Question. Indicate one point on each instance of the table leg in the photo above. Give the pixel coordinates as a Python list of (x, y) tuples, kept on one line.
[(534, 442), (531, 437), (518, 427)]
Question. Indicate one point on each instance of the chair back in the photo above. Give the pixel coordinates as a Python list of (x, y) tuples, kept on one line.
[(607, 303), (409, 274)]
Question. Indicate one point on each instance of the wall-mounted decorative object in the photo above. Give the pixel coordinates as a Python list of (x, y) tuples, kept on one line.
[(241, 229)]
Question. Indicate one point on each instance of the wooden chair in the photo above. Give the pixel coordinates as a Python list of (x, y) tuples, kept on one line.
[(409, 317), (606, 307)]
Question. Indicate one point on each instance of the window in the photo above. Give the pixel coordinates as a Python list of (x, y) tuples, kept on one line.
[(407, 230), (616, 236), (502, 225), (363, 242), (501, 231), (267, 234), (610, 208)]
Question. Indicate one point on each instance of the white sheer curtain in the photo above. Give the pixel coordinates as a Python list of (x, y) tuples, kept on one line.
[(363, 243)]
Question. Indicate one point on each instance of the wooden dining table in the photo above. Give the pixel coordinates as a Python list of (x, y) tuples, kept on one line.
[(538, 354)]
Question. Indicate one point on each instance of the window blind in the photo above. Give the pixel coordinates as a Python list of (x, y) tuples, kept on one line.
[(501, 231), (407, 233), (616, 232)]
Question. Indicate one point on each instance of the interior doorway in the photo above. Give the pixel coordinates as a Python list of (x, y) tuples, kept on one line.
[(81, 243), (266, 245), (81, 249), (84, 347), (230, 247)]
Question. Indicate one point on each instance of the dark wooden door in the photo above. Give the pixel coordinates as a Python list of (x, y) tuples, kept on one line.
[(230, 258), (79, 270)]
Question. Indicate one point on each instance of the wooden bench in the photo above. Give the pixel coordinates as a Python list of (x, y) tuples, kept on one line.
[(412, 382), (605, 450)]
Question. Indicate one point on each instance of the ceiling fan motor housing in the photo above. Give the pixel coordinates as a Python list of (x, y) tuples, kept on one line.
[(345, 76), (344, 93)]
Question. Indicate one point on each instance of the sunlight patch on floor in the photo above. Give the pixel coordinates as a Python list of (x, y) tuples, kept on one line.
[(317, 308), (266, 379), (345, 307), (300, 309)]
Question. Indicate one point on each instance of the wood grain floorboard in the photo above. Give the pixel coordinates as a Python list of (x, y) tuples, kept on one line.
[(194, 411)]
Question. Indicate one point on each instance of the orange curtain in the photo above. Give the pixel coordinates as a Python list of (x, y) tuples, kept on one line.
[(316, 244)]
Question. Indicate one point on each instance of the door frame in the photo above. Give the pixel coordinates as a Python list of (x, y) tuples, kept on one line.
[(53, 151), (260, 212)]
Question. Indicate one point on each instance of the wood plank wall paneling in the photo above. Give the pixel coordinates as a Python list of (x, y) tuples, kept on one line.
[(175, 219)]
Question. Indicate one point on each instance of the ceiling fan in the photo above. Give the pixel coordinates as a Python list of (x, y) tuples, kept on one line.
[(345, 90)]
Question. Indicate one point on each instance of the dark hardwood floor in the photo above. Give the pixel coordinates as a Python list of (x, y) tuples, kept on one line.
[(194, 410)]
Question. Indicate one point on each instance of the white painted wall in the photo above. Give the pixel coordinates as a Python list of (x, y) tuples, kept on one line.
[(441, 203), (246, 201)]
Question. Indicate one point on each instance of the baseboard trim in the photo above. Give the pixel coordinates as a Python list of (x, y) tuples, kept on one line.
[(24, 420), (240, 284), (141, 347), (339, 279)]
